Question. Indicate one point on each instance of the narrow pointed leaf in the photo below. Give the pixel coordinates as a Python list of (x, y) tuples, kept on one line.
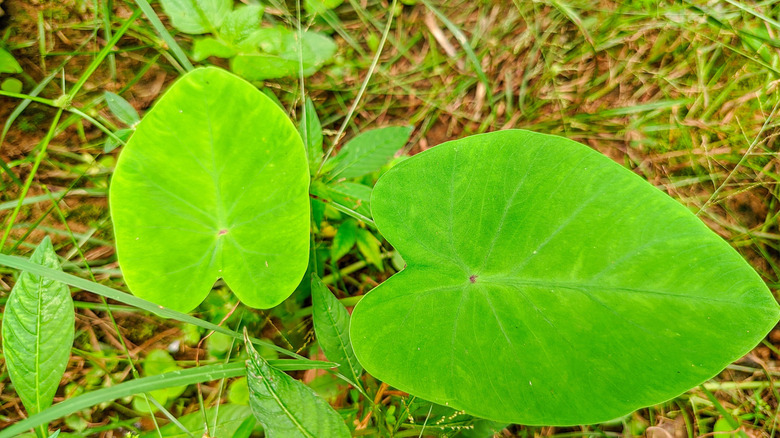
[(331, 325), (38, 330), (121, 108), (548, 285), (369, 151), (213, 183), (311, 131), (286, 407)]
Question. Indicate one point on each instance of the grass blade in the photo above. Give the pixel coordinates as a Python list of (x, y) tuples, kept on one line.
[(105, 291)]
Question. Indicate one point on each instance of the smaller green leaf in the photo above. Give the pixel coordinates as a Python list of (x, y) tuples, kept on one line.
[(311, 132), (7, 63), (155, 363), (241, 23), (351, 198), (111, 144), (204, 47), (197, 16), (238, 392), (280, 55), (121, 108), (37, 332), (331, 325), (286, 407), (321, 6), (223, 421), (12, 85), (368, 245), (344, 240), (317, 212), (369, 151)]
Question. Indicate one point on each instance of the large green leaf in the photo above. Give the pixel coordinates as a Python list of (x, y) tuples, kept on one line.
[(331, 324), (546, 284), (213, 183), (197, 16), (38, 330), (286, 407)]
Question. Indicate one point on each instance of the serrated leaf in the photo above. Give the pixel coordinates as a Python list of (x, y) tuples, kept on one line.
[(369, 151), (241, 23), (526, 250), (286, 407), (311, 132), (210, 187), (204, 47), (368, 245), (223, 421), (280, 55), (121, 108), (38, 329), (8, 63), (344, 240), (197, 16), (331, 325)]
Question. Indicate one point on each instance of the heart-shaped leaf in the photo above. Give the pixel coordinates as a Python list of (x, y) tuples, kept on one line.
[(546, 284), (214, 183), (38, 330)]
